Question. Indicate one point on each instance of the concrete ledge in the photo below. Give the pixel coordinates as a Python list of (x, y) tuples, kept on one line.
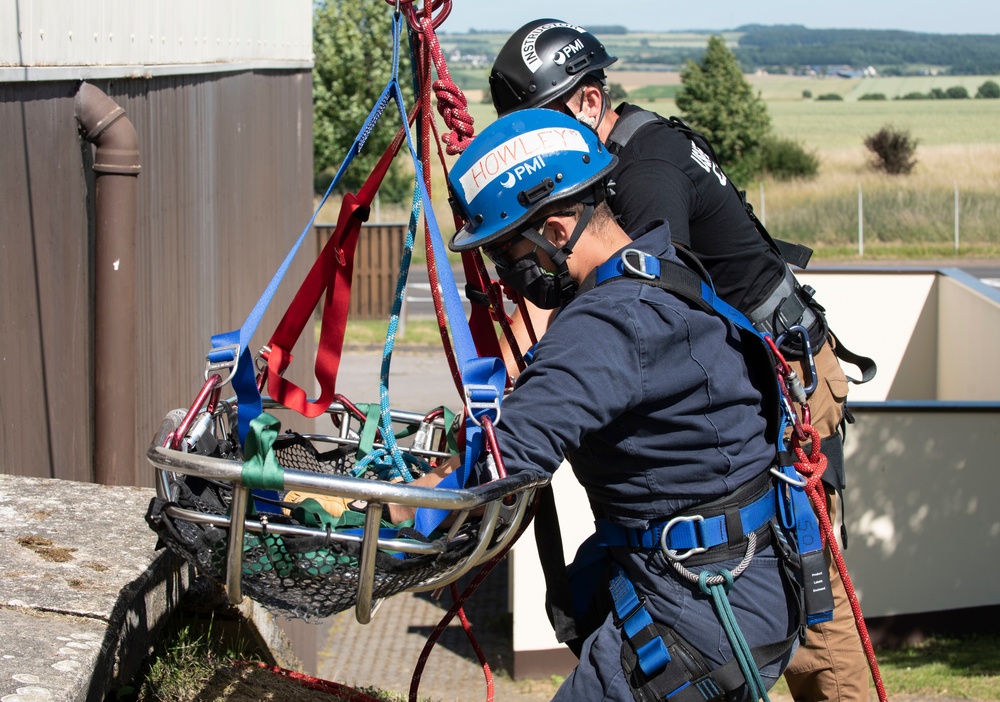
[(84, 592)]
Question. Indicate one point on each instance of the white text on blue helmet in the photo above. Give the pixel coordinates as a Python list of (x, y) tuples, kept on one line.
[(518, 156)]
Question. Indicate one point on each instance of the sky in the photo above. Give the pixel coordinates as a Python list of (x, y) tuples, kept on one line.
[(938, 16)]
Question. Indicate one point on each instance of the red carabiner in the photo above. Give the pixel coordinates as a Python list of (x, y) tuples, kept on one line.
[(412, 16)]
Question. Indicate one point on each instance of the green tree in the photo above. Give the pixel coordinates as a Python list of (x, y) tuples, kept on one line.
[(352, 43), (989, 90), (718, 101)]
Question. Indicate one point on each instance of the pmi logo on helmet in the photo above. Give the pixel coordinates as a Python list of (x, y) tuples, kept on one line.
[(564, 53), (530, 56), (517, 157), (526, 168)]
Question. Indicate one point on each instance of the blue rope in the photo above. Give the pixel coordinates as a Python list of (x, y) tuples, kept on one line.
[(741, 649), (385, 419)]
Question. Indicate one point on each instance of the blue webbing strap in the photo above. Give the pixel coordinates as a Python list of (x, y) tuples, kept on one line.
[(233, 347), (632, 617), (686, 534)]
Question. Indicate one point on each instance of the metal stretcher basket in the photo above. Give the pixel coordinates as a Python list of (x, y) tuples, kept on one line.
[(307, 571)]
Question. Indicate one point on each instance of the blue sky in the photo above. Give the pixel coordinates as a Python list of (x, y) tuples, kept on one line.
[(940, 16)]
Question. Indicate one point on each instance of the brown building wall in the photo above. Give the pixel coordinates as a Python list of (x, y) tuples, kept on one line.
[(225, 189)]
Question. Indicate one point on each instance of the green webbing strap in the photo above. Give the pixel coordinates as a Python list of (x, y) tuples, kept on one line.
[(741, 649), (371, 427), (366, 444), (261, 469), (310, 513)]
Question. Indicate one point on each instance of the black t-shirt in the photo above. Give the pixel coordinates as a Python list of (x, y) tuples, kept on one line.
[(662, 174)]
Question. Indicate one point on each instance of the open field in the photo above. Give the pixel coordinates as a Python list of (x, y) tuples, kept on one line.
[(911, 216)]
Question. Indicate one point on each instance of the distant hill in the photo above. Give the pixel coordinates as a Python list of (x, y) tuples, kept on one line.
[(778, 47), (888, 50)]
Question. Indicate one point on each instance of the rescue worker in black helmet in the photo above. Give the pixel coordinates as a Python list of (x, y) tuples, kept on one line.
[(651, 448), (665, 171)]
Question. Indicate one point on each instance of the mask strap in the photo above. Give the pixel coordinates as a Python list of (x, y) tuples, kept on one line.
[(567, 286)]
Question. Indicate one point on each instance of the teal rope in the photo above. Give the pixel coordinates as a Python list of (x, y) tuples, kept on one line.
[(392, 453), (741, 649)]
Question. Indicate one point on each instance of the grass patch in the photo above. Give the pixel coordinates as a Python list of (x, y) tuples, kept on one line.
[(418, 332), (193, 663), (962, 667)]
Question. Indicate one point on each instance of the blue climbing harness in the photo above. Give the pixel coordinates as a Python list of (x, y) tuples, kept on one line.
[(781, 506)]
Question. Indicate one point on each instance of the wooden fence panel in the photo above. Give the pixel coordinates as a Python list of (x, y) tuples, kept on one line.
[(376, 267)]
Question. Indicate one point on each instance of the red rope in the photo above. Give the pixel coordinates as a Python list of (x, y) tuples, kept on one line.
[(318, 684), (811, 467), (456, 608), (452, 103)]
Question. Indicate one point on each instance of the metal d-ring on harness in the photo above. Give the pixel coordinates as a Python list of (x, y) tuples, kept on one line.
[(787, 501)]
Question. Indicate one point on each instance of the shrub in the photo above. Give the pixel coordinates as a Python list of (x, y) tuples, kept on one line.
[(938, 94), (830, 96), (786, 159), (872, 96), (957, 92), (893, 150), (916, 96), (807, 94), (617, 92), (989, 90)]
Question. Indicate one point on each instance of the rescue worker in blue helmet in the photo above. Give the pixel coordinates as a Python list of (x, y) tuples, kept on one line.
[(657, 414), (667, 171)]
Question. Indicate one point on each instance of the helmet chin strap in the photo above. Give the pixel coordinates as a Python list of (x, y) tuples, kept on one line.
[(558, 256)]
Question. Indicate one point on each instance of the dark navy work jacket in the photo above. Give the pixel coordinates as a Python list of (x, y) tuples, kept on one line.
[(647, 396)]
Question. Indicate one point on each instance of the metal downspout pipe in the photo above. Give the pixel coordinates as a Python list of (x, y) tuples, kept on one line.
[(116, 164)]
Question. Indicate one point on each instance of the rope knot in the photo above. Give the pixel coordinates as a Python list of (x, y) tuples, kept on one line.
[(812, 466), (706, 587)]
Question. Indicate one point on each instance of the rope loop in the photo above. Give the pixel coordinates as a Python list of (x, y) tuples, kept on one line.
[(727, 581)]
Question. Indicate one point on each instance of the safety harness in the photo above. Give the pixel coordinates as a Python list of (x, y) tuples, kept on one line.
[(789, 305), (775, 504), (660, 665)]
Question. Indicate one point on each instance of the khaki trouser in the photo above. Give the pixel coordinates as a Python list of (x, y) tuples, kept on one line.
[(831, 665)]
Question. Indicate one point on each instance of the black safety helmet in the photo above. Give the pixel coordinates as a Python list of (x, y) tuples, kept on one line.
[(542, 60)]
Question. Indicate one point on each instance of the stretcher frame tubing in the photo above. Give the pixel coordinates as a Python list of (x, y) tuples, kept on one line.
[(505, 502)]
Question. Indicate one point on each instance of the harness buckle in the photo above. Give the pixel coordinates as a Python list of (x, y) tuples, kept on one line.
[(672, 554), (232, 364), (640, 603), (632, 270), (476, 399)]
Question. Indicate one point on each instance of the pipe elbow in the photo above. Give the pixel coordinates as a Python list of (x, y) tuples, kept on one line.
[(104, 124)]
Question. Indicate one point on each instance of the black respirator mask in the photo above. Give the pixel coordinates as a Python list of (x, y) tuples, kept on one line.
[(542, 288)]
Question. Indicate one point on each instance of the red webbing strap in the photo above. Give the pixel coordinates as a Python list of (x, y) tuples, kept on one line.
[(332, 273)]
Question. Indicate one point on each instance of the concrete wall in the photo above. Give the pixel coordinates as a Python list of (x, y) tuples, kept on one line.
[(921, 460)]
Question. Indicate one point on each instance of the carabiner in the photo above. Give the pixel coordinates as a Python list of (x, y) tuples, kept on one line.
[(807, 354)]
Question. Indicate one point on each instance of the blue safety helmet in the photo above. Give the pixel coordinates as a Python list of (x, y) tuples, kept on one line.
[(518, 164)]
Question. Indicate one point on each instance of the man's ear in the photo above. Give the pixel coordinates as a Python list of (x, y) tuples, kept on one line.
[(558, 230), (593, 100)]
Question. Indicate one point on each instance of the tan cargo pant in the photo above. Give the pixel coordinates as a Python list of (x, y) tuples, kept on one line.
[(831, 665)]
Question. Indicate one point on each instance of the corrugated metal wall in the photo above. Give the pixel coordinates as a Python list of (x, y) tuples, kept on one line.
[(225, 189)]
